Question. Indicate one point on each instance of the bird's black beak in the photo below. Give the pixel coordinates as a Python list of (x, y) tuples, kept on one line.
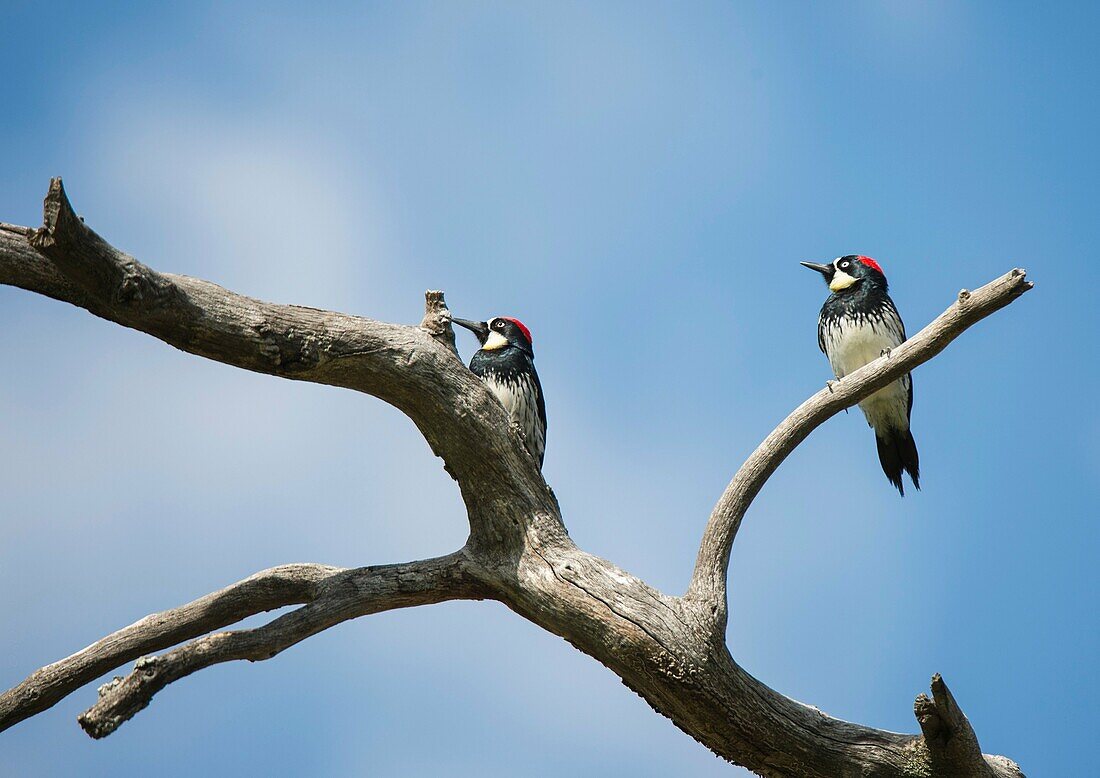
[(825, 270), (479, 328)]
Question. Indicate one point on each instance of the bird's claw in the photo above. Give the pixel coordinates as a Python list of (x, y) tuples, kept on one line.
[(829, 385), (885, 353)]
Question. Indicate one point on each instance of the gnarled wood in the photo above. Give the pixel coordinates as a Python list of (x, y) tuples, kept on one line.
[(670, 650)]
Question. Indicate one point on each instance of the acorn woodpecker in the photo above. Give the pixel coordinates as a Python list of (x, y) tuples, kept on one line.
[(506, 363), (857, 325)]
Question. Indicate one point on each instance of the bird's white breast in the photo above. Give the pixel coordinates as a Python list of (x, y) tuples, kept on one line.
[(852, 343), (519, 399)]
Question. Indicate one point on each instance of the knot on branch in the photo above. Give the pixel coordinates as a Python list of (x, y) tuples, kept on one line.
[(290, 349), (135, 286)]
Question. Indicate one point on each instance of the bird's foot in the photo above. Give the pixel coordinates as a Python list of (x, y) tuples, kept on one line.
[(829, 385), (885, 353)]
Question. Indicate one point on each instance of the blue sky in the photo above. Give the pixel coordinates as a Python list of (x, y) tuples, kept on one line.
[(638, 183)]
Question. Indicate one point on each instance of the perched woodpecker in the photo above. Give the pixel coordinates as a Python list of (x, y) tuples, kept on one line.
[(506, 363), (857, 325)]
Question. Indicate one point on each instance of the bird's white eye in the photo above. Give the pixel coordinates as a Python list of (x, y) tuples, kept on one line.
[(844, 264), (499, 324)]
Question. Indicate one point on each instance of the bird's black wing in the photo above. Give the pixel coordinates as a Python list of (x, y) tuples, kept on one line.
[(909, 376), (540, 402), (821, 318)]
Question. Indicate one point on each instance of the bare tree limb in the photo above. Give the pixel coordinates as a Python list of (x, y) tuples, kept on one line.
[(341, 595), (708, 583), (264, 591), (333, 595), (670, 650)]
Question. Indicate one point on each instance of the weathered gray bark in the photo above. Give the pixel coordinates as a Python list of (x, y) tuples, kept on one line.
[(670, 650)]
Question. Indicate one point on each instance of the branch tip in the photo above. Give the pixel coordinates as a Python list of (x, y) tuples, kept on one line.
[(437, 319), (55, 205), (57, 217), (952, 745)]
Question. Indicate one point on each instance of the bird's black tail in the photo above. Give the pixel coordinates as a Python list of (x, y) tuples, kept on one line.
[(897, 451)]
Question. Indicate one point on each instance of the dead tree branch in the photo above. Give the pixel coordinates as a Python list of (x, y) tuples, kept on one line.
[(264, 591), (338, 596), (670, 650)]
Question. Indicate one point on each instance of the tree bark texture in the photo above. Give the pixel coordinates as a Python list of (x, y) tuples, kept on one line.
[(671, 650)]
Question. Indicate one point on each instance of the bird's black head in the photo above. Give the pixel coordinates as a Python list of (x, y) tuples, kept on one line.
[(499, 332), (850, 272)]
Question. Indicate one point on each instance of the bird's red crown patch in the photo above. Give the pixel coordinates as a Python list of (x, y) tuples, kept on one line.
[(523, 327), (869, 263)]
